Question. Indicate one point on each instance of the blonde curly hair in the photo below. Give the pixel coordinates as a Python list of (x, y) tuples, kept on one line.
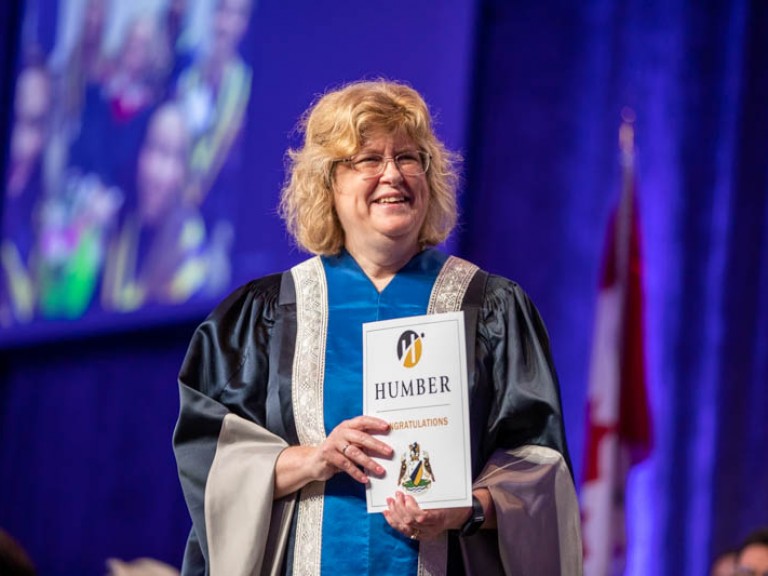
[(337, 126)]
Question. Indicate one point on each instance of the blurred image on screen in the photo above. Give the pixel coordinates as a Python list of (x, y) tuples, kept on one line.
[(124, 153)]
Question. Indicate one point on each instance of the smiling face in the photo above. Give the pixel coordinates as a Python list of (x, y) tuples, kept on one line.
[(384, 211)]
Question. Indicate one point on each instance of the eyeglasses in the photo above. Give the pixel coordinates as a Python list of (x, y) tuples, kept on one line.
[(371, 165)]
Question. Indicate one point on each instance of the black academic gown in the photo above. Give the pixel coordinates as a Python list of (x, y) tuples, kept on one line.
[(238, 389)]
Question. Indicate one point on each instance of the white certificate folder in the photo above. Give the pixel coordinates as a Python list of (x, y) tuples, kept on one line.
[(415, 378)]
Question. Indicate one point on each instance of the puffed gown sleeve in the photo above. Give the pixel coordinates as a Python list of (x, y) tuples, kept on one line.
[(522, 457), (224, 450)]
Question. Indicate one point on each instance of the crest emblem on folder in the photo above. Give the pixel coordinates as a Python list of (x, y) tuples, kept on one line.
[(416, 475)]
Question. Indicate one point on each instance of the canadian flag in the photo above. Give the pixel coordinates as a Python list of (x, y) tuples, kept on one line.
[(618, 420)]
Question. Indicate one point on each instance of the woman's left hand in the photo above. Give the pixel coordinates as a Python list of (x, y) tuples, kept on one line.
[(405, 515)]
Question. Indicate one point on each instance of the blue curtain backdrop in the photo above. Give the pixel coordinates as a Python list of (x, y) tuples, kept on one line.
[(86, 469), (551, 80)]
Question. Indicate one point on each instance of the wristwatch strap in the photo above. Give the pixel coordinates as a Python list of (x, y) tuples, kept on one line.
[(476, 520)]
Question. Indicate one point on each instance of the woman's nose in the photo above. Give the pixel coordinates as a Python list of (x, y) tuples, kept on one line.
[(391, 171)]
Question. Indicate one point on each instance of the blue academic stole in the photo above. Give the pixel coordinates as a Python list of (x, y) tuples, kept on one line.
[(354, 541)]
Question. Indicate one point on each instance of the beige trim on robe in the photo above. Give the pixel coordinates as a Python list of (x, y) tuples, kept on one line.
[(247, 529), (537, 511)]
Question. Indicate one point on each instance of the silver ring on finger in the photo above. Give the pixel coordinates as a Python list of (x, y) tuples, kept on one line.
[(344, 450)]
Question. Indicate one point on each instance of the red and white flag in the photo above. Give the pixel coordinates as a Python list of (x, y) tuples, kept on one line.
[(618, 420)]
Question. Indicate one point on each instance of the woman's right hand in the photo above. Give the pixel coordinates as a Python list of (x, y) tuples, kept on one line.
[(349, 448)]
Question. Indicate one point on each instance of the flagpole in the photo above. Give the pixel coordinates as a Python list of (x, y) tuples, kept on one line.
[(624, 217), (618, 423)]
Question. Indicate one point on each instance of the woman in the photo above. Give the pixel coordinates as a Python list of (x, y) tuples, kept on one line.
[(158, 255), (24, 191), (118, 109), (272, 448), (214, 91)]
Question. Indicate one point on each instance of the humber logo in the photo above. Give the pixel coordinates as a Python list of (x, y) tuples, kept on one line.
[(409, 348)]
